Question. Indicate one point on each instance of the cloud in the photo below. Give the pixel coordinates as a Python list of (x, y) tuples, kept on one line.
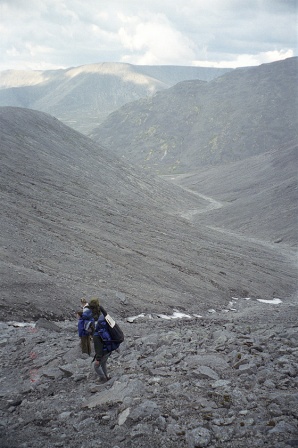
[(247, 60), (154, 41), (63, 33)]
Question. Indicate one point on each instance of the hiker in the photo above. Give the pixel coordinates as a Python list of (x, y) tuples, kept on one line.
[(107, 337), (101, 353), (83, 334)]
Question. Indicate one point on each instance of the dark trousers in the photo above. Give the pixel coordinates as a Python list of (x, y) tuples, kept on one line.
[(86, 345), (101, 356)]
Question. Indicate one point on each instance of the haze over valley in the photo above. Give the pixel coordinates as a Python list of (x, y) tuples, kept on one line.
[(82, 97)]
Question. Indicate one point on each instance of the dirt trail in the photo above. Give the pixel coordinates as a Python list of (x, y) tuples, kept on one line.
[(282, 249), (213, 205)]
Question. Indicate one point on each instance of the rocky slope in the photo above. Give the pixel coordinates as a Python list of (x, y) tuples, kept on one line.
[(75, 220), (240, 114), (84, 96), (226, 378), (210, 318)]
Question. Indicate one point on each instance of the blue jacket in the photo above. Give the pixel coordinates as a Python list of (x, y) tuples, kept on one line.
[(86, 317), (81, 329)]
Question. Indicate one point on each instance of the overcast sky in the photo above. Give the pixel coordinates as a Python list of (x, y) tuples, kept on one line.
[(51, 34)]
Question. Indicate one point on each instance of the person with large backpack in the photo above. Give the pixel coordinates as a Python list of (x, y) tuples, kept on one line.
[(107, 337)]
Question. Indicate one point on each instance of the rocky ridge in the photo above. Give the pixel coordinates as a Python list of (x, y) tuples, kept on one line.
[(225, 378)]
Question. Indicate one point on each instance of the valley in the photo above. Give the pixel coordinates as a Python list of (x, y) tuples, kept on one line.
[(183, 222)]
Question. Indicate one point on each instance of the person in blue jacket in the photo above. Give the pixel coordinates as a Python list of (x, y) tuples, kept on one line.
[(83, 334)]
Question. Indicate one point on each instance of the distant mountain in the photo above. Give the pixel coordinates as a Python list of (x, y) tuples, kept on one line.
[(240, 114), (76, 221), (83, 97), (258, 196)]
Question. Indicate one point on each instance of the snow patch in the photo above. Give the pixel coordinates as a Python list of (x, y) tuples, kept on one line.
[(272, 301), (133, 318), (175, 315), (21, 324)]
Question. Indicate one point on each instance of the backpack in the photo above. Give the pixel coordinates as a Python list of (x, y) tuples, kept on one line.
[(110, 332), (89, 327), (115, 331), (88, 321)]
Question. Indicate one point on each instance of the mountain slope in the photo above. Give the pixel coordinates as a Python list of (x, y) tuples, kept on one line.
[(83, 97), (258, 196), (242, 113), (75, 221)]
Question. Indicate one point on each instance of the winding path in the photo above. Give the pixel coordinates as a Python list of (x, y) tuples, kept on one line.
[(213, 205), (284, 250)]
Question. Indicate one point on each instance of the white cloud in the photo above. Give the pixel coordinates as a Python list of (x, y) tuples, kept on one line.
[(194, 32), (247, 60), (154, 41)]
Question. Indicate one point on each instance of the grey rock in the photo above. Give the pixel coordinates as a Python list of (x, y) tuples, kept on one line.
[(284, 427), (141, 430), (198, 438), (145, 405), (221, 383), (3, 342), (146, 410), (161, 423), (205, 372), (115, 394), (250, 369), (47, 325), (123, 416)]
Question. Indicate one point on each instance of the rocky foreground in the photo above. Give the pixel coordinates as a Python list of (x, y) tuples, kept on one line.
[(225, 379)]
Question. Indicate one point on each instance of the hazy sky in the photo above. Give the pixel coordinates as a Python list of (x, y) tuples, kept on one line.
[(51, 34)]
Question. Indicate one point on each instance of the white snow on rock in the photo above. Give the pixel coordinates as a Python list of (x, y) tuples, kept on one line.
[(179, 315), (176, 315), (272, 301), (133, 318), (21, 324)]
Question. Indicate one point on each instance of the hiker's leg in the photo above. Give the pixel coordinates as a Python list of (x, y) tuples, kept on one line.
[(98, 346), (99, 371), (104, 365), (89, 345), (84, 344)]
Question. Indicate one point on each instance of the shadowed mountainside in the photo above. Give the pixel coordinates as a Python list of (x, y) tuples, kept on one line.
[(83, 97), (76, 221), (240, 114)]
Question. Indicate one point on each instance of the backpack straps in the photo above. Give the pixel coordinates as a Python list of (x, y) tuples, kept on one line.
[(103, 310)]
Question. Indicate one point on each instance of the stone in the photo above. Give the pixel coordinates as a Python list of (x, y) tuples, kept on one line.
[(198, 438), (123, 416), (115, 394), (146, 410), (220, 383), (205, 372)]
